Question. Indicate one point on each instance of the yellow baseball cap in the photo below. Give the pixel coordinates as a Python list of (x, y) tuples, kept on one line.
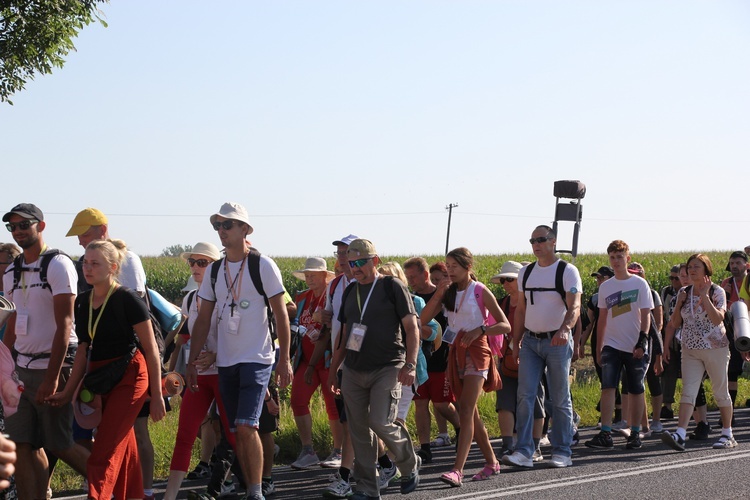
[(85, 219)]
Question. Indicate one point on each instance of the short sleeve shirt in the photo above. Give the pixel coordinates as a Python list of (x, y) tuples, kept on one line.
[(623, 300), (547, 313), (698, 332)]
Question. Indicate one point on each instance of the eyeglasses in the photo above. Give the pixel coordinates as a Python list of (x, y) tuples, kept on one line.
[(227, 225), (540, 239), (674, 278), (23, 225), (198, 262), (359, 262), (507, 280)]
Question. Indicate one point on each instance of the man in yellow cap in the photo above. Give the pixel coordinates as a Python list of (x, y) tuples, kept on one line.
[(91, 224)]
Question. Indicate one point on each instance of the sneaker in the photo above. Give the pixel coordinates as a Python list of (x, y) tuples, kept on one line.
[(544, 441), (576, 439), (389, 475), (645, 434), (725, 442), (599, 424), (440, 441), (227, 488), (505, 451), (666, 413), (49, 493), (701, 432), (518, 459), (276, 451), (409, 484), (537, 457), (425, 455), (332, 461), (634, 442), (305, 461), (198, 495), (673, 440), (338, 489), (268, 488), (620, 424), (201, 471), (657, 428), (601, 440), (560, 461)]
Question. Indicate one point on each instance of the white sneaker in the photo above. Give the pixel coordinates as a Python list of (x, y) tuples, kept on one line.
[(440, 441), (338, 489), (544, 441), (560, 461), (389, 475), (657, 427), (518, 459), (305, 461), (227, 488), (537, 457), (725, 442), (332, 461)]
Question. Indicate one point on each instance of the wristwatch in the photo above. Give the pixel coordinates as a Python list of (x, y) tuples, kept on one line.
[(410, 366), (484, 329)]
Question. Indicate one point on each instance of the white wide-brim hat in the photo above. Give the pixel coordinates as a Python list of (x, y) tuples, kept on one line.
[(314, 264), (203, 248), (509, 270)]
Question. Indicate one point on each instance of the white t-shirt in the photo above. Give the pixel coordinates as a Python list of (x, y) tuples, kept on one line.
[(35, 304), (132, 274), (623, 300), (211, 341), (469, 316), (334, 306), (547, 313), (250, 341)]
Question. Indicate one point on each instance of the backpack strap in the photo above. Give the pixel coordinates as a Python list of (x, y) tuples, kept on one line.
[(190, 297), (559, 286), (332, 286), (479, 297), (45, 259)]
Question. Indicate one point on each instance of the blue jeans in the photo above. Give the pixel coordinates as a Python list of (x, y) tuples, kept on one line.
[(243, 389), (536, 355)]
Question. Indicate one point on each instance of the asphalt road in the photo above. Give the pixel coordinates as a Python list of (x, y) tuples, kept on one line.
[(654, 471)]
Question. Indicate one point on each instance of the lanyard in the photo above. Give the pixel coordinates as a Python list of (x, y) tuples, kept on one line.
[(25, 290), (92, 331), (359, 302)]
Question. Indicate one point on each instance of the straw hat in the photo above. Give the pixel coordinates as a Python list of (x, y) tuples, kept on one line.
[(313, 264), (509, 270)]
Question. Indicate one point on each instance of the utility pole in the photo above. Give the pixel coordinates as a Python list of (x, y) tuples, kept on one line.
[(450, 208)]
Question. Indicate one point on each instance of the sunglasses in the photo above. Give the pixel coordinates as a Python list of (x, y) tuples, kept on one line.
[(540, 239), (359, 262), (507, 280), (227, 225), (23, 225), (198, 262)]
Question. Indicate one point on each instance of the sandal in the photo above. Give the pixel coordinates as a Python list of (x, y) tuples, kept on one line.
[(453, 478), (487, 472)]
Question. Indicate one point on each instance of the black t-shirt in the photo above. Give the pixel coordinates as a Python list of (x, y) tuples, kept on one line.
[(114, 336), (438, 362), (383, 344)]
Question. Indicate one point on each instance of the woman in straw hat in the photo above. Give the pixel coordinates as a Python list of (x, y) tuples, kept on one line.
[(311, 366)]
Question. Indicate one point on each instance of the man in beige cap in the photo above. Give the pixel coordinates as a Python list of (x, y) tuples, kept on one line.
[(245, 350), (378, 349)]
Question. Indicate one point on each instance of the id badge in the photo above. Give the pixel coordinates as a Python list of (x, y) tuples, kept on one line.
[(449, 335), (357, 336), (233, 325), (22, 321)]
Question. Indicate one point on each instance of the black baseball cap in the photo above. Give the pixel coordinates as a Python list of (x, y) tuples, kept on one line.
[(739, 254), (25, 210), (604, 271)]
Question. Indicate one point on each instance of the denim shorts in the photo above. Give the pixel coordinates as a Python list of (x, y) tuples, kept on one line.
[(243, 390), (613, 362)]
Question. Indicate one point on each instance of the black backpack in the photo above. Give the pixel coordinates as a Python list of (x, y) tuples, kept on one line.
[(559, 287), (253, 266)]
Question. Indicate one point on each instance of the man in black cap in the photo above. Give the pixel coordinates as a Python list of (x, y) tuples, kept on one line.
[(41, 331), (592, 311)]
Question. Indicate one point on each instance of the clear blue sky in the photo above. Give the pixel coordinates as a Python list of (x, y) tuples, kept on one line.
[(325, 118)]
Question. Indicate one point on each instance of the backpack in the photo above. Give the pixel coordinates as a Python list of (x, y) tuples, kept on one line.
[(508, 366), (389, 292), (46, 258), (18, 270), (253, 267), (559, 287)]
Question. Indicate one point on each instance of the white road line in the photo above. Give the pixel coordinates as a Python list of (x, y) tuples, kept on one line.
[(600, 476)]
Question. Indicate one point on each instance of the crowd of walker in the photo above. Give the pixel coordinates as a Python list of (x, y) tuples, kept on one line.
[(373, 336)]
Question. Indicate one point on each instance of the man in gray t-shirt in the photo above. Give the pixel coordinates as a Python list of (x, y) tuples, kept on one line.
[(378, 349)]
